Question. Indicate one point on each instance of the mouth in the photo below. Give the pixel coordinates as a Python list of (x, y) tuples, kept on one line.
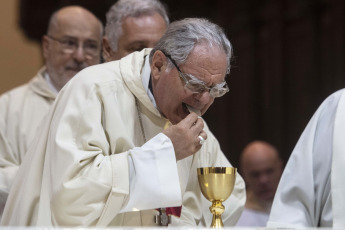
[(185, 109), (74, 69), (189, 109)]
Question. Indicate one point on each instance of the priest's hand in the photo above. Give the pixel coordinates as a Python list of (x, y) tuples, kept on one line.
[(185, 136)]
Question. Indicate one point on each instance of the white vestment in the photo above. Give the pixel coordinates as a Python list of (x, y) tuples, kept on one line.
[(90, 165), (21, 112), (253, 218), (311, 192)]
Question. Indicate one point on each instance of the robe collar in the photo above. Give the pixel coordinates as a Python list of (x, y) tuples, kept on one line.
[(133, 68), (40, 86), (147, 81)]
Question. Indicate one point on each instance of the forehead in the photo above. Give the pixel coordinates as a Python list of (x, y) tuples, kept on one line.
[(77, 25), (260, 159), (206, 61), (144, 27)]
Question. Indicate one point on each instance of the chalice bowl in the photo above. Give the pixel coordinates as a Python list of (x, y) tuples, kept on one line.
[(216, 184)]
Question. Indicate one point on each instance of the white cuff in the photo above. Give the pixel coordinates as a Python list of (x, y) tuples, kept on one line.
[(154, 180)]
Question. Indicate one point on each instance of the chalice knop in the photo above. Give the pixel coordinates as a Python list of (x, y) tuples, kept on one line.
[(216, 184)]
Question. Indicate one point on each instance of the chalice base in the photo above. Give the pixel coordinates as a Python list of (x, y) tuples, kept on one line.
[(217, 221)]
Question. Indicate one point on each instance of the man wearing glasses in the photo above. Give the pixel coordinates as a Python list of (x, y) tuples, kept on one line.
[(122, 142), (73, 42)]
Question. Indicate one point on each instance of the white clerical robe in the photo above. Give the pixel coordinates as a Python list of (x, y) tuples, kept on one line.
[(90, 165), (21, 112), (252, 218), (311, 192)]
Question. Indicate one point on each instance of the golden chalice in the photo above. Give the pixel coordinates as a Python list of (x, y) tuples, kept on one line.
[(216, 185)]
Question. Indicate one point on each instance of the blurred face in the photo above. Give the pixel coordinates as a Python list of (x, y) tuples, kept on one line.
[(261, 170), (71, 45), (171, 95), (137, 33)]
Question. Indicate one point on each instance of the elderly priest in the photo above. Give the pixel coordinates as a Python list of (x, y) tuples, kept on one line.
[(124, 139)]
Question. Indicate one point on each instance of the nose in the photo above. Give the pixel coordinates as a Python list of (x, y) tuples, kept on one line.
[(79, 54), (204, 97), (264, 179)]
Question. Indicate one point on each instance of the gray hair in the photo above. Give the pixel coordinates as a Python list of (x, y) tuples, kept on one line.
[(182, 36), (130, 8)]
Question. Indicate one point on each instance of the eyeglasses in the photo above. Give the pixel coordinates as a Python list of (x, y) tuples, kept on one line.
[(71, 45), (197, 86)]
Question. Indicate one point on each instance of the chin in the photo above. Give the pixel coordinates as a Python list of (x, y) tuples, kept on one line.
[(267, 197), (70, 74), (176, 119)]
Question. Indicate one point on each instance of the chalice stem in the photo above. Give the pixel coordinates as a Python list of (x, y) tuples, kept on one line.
[(217, 210)]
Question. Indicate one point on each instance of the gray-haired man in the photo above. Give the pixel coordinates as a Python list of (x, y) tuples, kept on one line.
[(120, 142), (133, 25)]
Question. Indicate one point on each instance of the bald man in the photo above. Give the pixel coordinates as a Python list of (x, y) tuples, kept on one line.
[(261, 168), (72, 42)]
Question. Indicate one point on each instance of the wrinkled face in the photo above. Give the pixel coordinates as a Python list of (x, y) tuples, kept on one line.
[(262, 172), (138, 33), (82, 32), (206, 64)]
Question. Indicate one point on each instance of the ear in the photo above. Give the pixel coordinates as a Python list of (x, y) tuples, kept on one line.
[(107, 51), (45, 45), (158, 64)]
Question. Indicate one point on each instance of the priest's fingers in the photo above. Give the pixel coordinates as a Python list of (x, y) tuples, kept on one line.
[(202, 138), (185, 136), (189, 121)]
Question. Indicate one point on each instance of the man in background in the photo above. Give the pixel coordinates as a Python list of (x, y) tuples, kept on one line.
[(132, 25), (73, 42), (261, 168)]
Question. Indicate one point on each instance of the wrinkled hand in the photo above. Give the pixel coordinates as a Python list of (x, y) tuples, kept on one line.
[(184, 136)]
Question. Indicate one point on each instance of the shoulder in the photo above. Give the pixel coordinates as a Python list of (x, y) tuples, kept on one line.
[(114, 70), (21, 92), (333, 99), (328, 108), (93, 78), (97, 73), (112, 74), (16, 94)]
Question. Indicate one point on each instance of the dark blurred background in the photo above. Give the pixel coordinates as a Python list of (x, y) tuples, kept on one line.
[(289, 55)]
